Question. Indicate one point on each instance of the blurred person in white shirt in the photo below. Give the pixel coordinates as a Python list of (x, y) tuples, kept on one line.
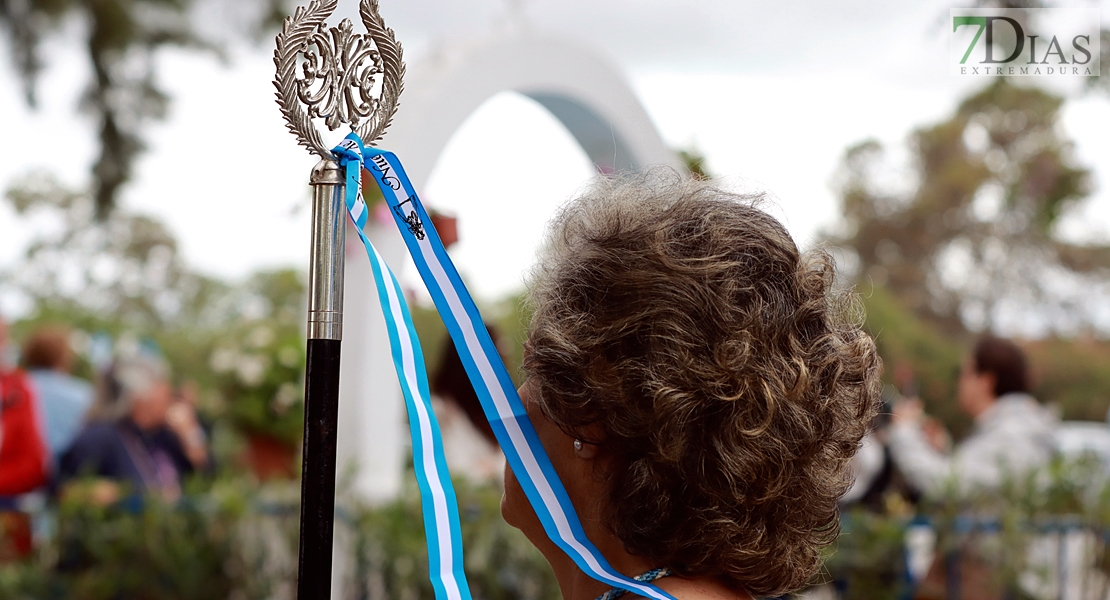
[(1013, 433)]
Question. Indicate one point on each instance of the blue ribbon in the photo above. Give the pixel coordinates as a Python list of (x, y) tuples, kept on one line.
[(437, 495), (514, 431)]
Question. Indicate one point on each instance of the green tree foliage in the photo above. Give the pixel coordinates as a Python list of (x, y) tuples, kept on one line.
[(123, 95), (1074, 374), (967, 232), (126, 270), (257, 362)]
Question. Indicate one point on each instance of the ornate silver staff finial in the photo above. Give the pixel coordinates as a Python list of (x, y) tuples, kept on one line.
[(339, 74)]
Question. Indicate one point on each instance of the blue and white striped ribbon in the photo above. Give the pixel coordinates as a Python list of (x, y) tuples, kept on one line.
[(437, 496), (514, 431)]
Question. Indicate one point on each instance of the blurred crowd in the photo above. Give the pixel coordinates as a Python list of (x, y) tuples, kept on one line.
[(129, 432), (132, 431)]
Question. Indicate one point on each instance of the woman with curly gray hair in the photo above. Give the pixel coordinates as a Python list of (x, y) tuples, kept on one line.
[(698, 385)]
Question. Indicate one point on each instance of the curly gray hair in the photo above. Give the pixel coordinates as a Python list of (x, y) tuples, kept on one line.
[(730, 383)]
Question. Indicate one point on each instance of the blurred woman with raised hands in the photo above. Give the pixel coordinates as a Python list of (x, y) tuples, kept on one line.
[(699, 386), (133, 443)]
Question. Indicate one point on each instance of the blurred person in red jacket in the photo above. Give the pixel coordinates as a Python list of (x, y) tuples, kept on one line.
[(24, 458)]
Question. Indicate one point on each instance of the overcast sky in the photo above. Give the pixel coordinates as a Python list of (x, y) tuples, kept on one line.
[(772, 93)]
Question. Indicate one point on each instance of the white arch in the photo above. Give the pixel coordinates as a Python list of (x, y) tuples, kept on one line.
[(590, 98), (585, 94)]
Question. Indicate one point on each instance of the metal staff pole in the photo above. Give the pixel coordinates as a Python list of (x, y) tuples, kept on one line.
[(325, 332), (343, 78)]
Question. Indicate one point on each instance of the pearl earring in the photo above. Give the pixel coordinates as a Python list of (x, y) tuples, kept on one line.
[(578, 445)]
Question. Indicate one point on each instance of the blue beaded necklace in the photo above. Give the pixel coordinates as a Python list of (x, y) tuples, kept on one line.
[(646, 577)]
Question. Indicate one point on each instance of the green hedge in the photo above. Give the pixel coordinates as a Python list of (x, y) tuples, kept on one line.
[(233, 542)]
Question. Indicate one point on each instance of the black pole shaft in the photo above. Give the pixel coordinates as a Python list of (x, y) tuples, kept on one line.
[(318, 469), (325, 330)]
